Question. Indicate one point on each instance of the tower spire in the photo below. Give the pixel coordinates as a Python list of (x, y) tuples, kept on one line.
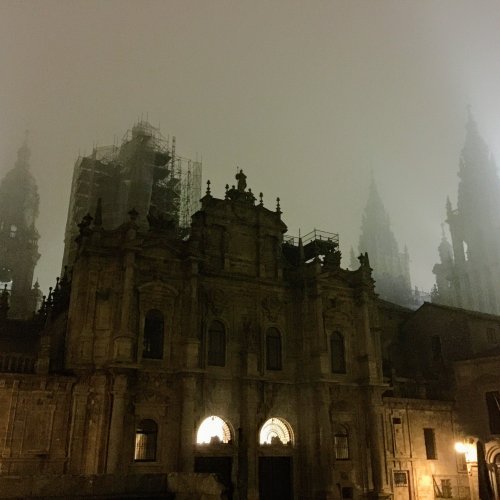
[(19, 203)]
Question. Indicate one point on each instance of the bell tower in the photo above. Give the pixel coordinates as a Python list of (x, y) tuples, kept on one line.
[(19, 202)]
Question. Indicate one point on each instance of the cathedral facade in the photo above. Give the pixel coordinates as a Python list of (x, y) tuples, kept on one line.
[(234, 351)]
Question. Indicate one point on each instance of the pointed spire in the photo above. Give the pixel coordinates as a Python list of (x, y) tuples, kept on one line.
[(24, 153)]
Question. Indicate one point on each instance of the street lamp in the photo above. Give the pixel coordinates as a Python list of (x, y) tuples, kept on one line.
[(468, 448)]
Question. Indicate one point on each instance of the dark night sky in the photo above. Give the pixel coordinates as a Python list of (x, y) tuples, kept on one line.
[(306, 97)]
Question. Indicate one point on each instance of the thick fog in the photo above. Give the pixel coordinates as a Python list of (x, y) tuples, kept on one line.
[(306, 97)]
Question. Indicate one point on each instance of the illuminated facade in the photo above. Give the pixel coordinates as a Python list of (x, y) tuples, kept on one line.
[(240, 351)]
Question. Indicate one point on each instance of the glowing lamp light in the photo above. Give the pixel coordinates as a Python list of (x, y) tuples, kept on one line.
[(468, 448)]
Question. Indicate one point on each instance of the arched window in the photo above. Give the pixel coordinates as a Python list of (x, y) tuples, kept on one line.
[(273, 349), (337, 349), (341, 443), (276, 431), (145, 441), (216, 344), (213, 430), (153, 335)]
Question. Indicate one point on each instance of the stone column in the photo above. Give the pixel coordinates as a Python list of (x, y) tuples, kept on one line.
[(248, 480), (77, 430), (187, 424), (115, 443), (377, 448), (124, 340), (324, 465)]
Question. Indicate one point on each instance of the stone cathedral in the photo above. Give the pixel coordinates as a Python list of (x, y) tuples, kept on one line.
[(468, 274), (239, 351)]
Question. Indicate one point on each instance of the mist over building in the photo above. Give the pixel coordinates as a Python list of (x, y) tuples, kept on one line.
[(178, 345), (468, 274), (144, 173), (19, 203), (391, 267)]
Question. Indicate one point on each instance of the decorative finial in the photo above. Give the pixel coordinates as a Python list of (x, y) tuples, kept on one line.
[(227, 192), (278, 208), (261, 199), (208, 188)]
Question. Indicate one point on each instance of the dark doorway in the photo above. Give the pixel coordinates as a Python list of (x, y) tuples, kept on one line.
[(275, 478), (217, 465)]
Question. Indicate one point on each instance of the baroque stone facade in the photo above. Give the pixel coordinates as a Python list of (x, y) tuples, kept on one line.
[(233, 351)]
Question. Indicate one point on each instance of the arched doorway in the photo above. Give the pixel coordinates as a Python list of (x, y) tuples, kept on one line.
[(214, 450), (276, 441)]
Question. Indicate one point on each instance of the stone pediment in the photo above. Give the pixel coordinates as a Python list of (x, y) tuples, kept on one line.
[(160, 250), (157, 294), (158, 287)]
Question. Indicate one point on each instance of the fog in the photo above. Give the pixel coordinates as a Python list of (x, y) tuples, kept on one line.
[(306, 97)]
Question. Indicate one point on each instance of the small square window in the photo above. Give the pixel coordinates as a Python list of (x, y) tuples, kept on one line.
[(400, 478)]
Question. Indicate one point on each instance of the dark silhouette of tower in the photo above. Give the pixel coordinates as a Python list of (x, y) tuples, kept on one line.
[(19, 202), (390, 266), (468, 274)]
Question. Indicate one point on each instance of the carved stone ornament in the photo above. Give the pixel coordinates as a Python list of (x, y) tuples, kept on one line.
[(272, 306), (217, 300)]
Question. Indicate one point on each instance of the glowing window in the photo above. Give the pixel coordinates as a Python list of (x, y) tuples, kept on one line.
[(341, 443), (213, 430), (145, 441), (276, 431)]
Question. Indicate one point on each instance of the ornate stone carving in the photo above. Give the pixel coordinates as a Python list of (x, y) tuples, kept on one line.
[(272, 306), (217, 300)]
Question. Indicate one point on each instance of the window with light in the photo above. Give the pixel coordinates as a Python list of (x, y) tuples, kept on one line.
[(213, 430), (145, 441), (276, 431)]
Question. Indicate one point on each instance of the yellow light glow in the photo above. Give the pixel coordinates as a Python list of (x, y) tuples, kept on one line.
[(275, 430), (213, 430), (468, 448)]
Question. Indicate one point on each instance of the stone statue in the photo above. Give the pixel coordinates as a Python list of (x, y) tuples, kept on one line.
[(242, 180)]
